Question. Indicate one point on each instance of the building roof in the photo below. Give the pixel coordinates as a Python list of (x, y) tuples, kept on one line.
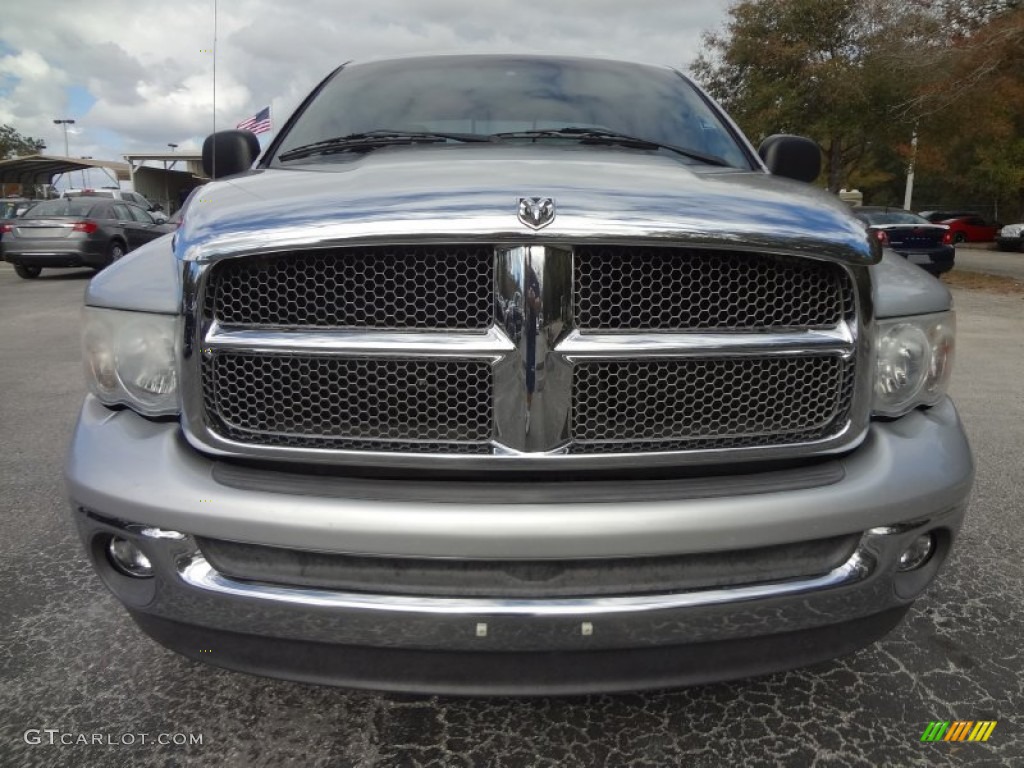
[(41, 169), (178, 156)]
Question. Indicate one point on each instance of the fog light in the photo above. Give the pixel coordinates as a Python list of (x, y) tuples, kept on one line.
[(128, 558), (918, 553)]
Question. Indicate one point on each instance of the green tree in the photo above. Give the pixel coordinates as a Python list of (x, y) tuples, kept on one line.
[(821, 68), (972, 124), (13, 144)]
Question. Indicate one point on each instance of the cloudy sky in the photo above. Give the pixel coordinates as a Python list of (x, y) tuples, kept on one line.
[(137, 74)]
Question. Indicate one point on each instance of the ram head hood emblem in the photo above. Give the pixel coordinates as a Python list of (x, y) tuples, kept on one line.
[(536, 212)]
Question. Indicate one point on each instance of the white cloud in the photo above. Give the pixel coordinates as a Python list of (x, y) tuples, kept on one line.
[(27, 64), (148, 67), (29, 85)]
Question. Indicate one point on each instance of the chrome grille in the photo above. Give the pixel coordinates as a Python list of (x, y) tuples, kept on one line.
[(526, 355), (381, 287), (621, 288), (696, 404), (348, 403)]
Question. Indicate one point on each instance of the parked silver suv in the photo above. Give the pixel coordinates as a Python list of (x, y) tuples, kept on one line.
[(113, 193), (514, 374)]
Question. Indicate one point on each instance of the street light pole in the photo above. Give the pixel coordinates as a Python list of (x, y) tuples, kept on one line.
[(85, 157), (64, 123), (167, 194)]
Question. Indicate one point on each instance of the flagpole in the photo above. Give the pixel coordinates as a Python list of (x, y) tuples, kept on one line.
[(213, 149)]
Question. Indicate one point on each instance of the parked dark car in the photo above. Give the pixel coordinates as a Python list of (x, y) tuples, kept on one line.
[(928, 245), (76, 232)]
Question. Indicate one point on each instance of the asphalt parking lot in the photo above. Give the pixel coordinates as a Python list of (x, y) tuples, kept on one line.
[(983, 257), (71, 660)]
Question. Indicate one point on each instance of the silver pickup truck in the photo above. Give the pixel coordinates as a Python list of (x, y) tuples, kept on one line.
[(516, 375)]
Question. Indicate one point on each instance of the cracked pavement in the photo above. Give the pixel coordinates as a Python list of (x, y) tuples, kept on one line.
[(70, 658)]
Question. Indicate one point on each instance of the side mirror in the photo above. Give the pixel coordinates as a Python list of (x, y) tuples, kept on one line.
[(159, 217), (226, 153), (791, 156)]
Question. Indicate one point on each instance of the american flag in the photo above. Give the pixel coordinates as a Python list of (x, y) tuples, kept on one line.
[(258, 123)]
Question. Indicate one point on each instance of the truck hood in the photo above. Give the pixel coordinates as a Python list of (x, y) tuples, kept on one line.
[(471, 193)]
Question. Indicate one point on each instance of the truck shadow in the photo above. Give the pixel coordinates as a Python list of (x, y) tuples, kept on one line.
[(55, 275)]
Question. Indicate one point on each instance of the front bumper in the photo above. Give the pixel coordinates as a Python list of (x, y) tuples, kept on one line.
[(138, 479)]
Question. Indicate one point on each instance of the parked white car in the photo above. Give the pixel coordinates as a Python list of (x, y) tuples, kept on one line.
[(120, 194), (1009, 237)]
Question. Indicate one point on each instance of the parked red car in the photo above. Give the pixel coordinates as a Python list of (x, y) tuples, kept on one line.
[(971, 229)]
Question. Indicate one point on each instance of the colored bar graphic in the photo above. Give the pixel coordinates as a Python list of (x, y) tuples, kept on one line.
[(983, 730), (958, 730), (935, 731)]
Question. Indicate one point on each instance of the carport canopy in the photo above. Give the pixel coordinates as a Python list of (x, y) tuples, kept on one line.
[(41, 169)]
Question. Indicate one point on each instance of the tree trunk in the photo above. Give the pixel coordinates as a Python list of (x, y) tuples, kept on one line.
[(835, 165)]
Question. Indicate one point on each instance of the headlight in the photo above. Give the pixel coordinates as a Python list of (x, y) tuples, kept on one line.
[(130, 358), (914, 360)]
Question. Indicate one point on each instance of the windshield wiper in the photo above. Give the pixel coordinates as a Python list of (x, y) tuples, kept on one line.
[(373, 139), (602, 136)]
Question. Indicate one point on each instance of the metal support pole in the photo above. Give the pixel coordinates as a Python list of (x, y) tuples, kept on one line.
[(64, 123), (909, 194)]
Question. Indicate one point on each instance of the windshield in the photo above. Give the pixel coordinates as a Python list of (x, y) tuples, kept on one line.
[(64, 207), (490, 95), (892, 217)]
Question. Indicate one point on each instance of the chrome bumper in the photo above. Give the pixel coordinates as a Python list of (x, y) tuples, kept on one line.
[(186, 589), (138, 479)]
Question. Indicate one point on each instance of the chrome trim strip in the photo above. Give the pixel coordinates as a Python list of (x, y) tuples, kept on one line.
[(506, 459), (570, 230), (898, 528), (198, 573), (160, 533), (587, 345), (491, 344), (533, 385)]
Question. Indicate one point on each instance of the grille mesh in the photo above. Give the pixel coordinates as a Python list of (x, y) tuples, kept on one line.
[(445, 287), (446, 406), (708, 403), (619, 288), (302, 401)]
